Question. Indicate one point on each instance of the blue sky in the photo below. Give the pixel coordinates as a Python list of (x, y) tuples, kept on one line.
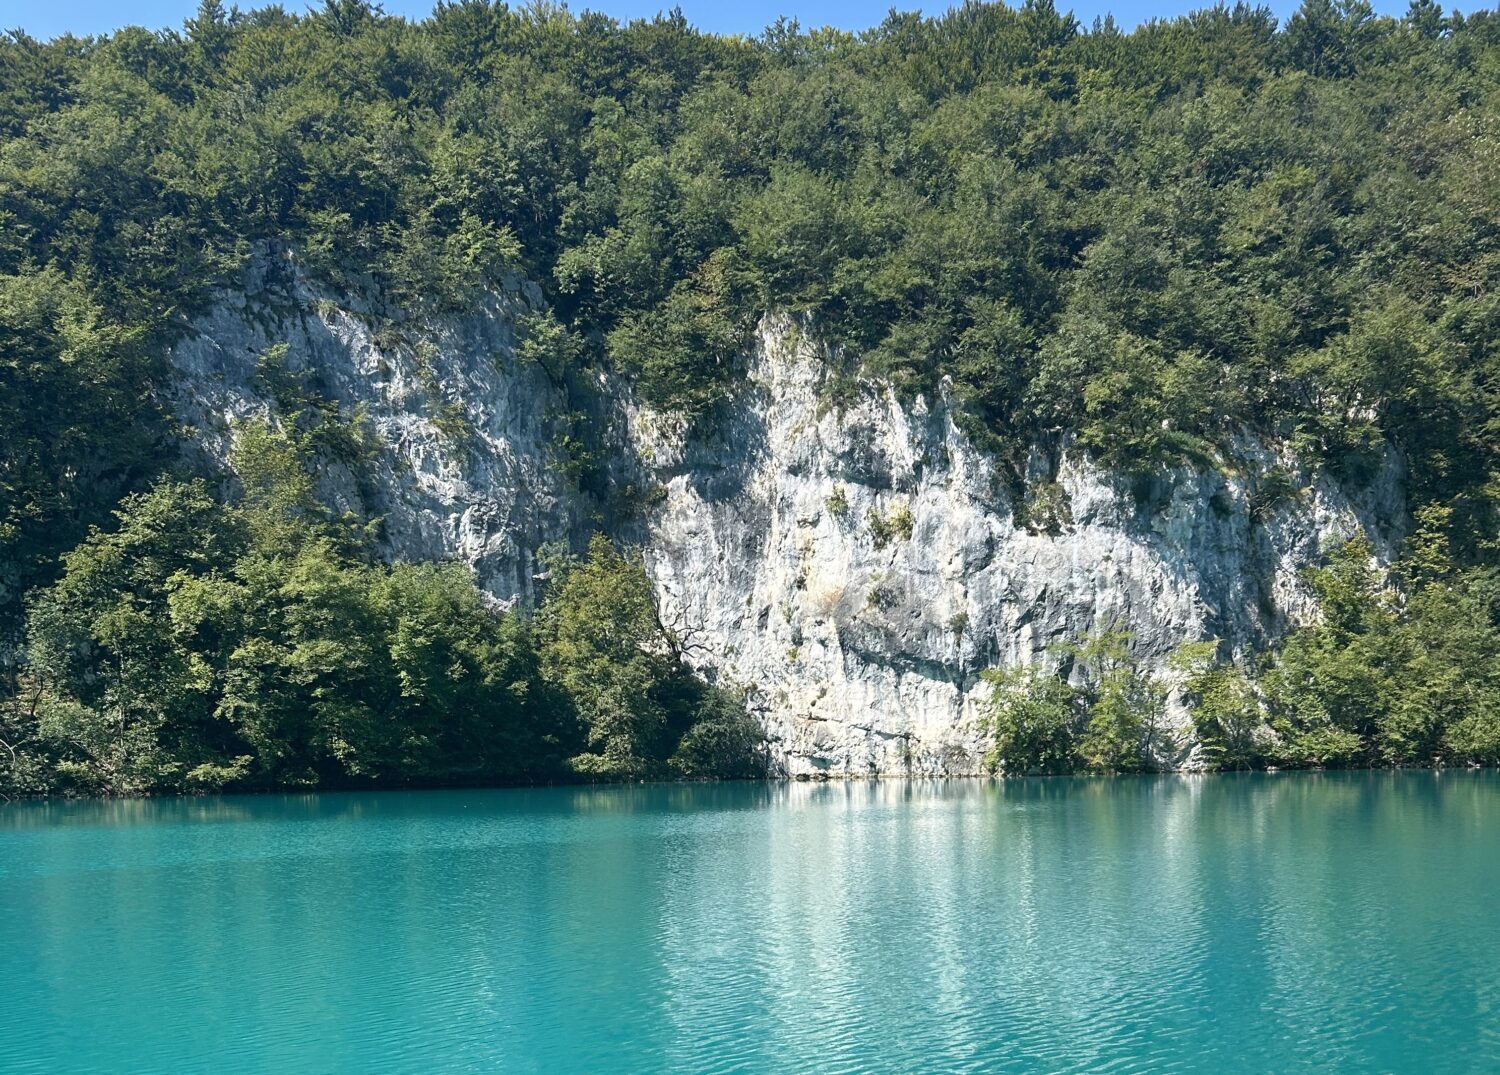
[(47, 18)]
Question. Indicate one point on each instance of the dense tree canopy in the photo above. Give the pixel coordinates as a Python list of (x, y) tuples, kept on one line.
[(1146, 237), (1147, 240), (199, 644)]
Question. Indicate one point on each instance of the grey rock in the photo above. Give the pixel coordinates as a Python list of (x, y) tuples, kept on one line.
[(490, 494), (862, 657), (867, 659)]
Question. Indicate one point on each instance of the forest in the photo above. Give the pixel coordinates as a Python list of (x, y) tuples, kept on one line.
[(1144, 240)]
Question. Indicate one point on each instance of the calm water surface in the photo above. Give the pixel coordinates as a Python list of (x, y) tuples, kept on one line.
[(1228, 924)]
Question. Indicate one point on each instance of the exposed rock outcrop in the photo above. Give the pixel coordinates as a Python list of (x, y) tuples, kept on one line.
[(859, 568), (465, 437), (854, 567)]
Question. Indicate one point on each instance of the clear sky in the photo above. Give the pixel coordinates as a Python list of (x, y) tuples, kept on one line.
[(48, 18)]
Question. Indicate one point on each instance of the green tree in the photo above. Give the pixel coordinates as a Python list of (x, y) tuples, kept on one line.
[(1330, 685), (121, 701), (725, 741), (601, 643), (1034, 718), (1226, 714), (1126, 707), (471, 697)]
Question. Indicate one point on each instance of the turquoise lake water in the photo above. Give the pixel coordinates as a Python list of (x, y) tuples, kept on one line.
[(1256, 923)]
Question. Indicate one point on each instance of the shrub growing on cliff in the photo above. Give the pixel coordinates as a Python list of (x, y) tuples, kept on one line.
[(1034, 716), (1126, 708), (602, 642), (1226, 714), (897, 526)]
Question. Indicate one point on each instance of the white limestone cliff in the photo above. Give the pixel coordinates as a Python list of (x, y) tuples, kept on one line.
[(854, 568), (865, 655), (466, 437)]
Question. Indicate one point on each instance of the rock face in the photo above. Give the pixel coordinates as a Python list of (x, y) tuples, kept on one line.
[(854, 568), (466, 438), (858, 569)]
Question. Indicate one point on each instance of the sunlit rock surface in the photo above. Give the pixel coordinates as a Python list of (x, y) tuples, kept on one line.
[(853, 567)]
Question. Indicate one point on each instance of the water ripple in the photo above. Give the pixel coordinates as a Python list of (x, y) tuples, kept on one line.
[(1232, 924)]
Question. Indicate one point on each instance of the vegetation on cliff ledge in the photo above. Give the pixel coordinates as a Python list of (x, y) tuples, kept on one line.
[(1400, 671)]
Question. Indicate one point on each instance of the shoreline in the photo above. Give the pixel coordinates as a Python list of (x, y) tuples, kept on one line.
[(840, 778)]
